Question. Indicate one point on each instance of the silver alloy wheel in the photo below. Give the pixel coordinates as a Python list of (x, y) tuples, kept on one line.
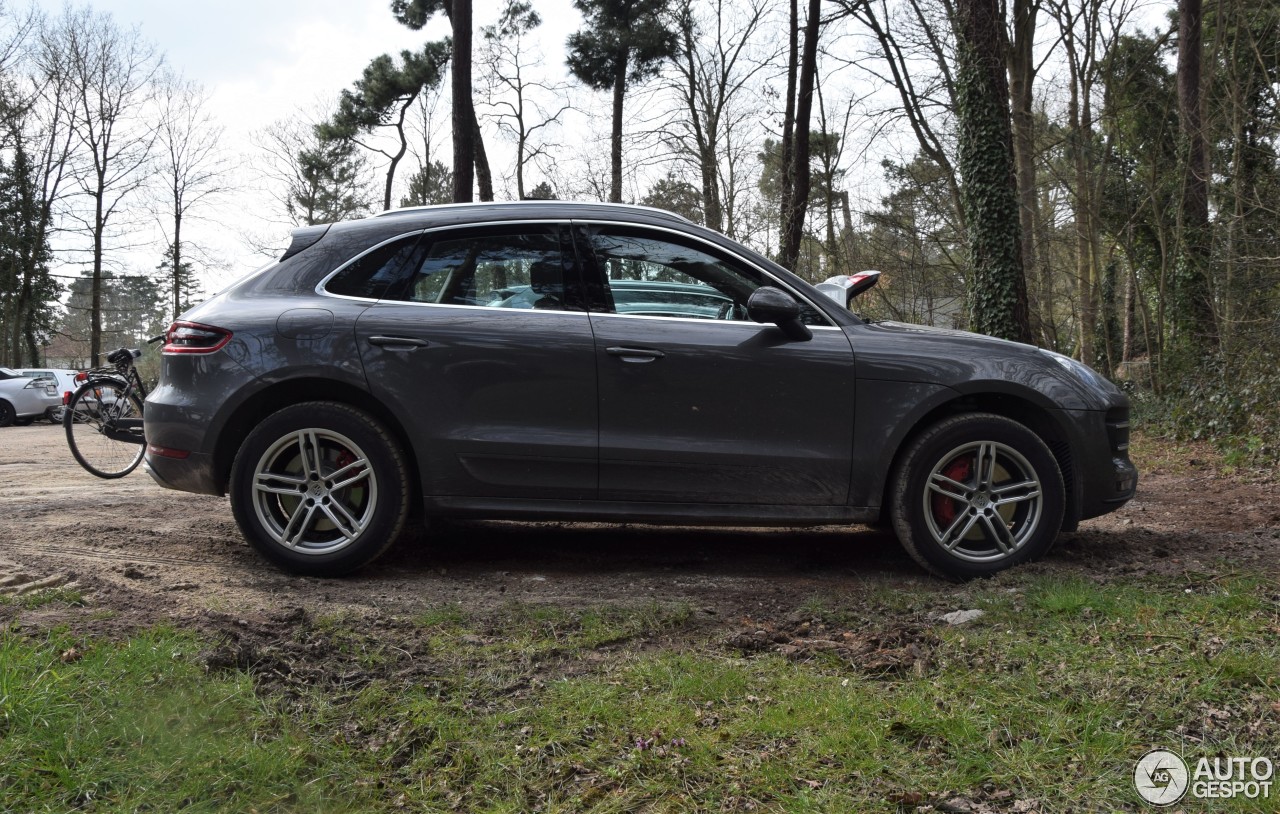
[(314, 491), (982, 501)]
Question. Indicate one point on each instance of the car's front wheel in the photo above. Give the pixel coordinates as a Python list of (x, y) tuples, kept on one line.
[(320, 488), (975, 494)]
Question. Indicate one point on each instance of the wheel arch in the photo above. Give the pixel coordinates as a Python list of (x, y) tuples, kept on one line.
[(257, 407), (1027, 409)]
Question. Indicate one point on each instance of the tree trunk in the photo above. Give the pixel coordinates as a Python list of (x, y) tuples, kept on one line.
[(793, 219), (713, 215), (484, 178), (788, 146), (1022, 71), (176, 259), (1080, 134), (1193, 299), (615, 141), (95, 305), (997, 291), (464, 132)]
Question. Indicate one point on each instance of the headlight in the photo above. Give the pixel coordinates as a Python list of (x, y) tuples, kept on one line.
[(1082, 372)]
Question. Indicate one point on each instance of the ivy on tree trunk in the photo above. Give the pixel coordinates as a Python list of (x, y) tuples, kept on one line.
[(997, 291)]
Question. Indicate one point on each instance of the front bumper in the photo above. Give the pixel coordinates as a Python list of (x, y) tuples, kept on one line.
[(1107, 477)]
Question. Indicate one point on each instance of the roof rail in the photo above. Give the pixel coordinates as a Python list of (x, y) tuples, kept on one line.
[(536, 202)]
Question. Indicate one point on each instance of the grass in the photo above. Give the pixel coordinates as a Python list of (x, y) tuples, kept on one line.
[(48, 596), (1050, 697)]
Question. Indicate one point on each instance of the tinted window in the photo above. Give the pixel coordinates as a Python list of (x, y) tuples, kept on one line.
[(650, 275), (368, 276), (494, 271)]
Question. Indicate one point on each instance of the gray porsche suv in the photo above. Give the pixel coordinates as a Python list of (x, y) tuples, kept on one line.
[(549, 360)]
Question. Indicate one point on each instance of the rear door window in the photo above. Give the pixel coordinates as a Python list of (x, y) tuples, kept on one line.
[(525, 269)]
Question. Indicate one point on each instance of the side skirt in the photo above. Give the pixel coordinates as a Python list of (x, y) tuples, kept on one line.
[(711, 514)]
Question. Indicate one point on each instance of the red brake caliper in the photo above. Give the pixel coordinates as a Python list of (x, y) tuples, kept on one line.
[(345, 458), (944, 508)]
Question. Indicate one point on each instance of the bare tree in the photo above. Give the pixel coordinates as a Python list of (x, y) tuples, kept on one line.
[(509, 57), (193, 170), (714, 70), (902, 45), (111, 75)]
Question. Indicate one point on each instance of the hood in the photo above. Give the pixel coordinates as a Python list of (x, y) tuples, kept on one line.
[(952, 333)]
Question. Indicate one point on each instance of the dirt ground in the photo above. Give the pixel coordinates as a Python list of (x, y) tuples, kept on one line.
[(150, 556)]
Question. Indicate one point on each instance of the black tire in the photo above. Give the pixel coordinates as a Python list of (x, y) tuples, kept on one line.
[(975, 494), (85, 420), (23, 422), (7, 413), (291, 511)]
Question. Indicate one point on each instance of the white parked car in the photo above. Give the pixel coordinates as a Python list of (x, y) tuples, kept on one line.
[(24, 399), (64, 381)]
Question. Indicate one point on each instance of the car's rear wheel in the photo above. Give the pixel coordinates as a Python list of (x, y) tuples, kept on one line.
[(976, 494), (7, 413), (320, 488)]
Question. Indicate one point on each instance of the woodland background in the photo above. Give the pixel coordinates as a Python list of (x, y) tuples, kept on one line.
[(1098, 177)]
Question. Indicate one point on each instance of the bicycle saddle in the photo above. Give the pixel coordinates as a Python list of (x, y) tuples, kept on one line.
[(118, 356)]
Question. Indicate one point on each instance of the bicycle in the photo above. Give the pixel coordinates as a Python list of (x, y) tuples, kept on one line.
[(103, 417)]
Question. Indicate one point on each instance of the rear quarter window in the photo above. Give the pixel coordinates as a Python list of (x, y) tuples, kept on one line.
[(370, 275)]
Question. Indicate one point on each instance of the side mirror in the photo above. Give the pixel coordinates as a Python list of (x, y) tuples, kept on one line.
[(773, 305), (844, 287)]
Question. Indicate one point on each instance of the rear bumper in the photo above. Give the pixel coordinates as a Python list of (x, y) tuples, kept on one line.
[(191, 474)]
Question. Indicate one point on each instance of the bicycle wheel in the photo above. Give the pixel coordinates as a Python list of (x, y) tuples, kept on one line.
[(104, 428)]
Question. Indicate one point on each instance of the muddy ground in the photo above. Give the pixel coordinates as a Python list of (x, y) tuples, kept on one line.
[(148, 555)]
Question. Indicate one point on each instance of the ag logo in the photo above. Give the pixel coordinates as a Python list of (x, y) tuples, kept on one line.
[(1160, 777)]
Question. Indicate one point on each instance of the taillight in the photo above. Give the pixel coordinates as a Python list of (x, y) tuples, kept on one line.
[(66, 398), (192, 337), (82, 376)]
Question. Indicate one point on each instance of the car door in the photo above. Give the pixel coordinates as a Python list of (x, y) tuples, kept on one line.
[(485, 351), (700, 404)]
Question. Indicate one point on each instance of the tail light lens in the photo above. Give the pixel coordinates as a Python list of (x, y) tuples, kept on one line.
[(82, 376), (192, 337)]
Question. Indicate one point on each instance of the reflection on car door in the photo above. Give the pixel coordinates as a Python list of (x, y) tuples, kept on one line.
[(486, 351), (717, 410)]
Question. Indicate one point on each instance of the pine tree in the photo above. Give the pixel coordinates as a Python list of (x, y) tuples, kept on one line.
[(624, 43)]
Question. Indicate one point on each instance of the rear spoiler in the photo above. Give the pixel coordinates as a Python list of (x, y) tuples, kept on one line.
[(304, 237), (843, 288)]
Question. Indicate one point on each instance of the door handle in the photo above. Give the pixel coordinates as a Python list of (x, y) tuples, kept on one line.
[(635, 354), (398, 342)]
